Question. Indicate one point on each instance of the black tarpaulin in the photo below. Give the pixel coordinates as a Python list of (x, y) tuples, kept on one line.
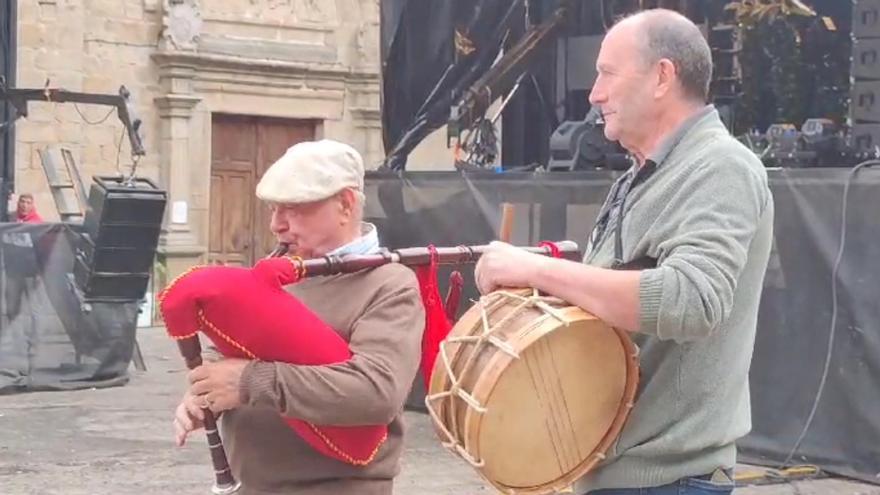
[(48, 339)]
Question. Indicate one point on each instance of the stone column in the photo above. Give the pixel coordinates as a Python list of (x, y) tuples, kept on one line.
[(179, 245), (363, 102)]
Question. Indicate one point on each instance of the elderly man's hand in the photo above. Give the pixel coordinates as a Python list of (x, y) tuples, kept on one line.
[(218, 384), (503, 265), (188, 417)]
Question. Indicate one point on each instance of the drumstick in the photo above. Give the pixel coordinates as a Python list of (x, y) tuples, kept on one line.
[(506, 229)]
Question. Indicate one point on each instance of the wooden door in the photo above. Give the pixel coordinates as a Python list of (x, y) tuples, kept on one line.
[(242, 148)]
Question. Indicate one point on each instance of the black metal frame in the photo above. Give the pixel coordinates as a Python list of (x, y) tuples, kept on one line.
[(8, 56)]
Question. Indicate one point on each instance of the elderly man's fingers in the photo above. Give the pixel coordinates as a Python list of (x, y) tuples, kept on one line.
[(185, 422), (199, 373), (180, 434), (202, 386)]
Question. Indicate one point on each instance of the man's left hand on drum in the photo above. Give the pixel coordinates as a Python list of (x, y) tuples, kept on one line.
[(218, 385), (503, 265)]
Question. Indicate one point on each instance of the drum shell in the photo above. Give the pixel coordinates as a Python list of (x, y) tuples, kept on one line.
[(538, 338)]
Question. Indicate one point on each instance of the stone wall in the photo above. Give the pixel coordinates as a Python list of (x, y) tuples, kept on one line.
[(90, 46)]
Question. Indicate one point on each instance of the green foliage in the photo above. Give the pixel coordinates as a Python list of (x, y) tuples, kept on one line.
[(751, 12)]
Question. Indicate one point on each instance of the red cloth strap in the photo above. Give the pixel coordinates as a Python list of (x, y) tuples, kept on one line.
[(554, 249), (437, 324)]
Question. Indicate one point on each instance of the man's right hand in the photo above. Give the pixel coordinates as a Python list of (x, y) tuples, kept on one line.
[(188, 418)]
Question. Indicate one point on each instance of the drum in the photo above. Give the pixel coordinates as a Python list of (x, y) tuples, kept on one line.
[(530, 391)]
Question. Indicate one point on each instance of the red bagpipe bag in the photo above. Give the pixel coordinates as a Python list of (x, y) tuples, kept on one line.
[(246, 313)]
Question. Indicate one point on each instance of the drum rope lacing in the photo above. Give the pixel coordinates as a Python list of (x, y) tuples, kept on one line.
[(487, 336)]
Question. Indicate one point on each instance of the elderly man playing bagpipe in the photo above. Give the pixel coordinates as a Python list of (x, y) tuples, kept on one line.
[(316, 193)]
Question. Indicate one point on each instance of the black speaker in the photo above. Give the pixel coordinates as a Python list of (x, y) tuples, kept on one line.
[(865, 139), (124, 215), (109, 286), (117, 259), (866, 101), (865, 71), (121, 232), (866, 58), (866, 19)]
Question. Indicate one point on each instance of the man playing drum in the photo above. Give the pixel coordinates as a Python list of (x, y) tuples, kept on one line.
[(316, 192), (677, 256)]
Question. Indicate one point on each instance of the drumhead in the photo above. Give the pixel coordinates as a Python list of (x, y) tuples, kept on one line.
[(550, 410)]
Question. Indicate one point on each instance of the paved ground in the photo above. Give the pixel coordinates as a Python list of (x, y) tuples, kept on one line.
[(118, 441)]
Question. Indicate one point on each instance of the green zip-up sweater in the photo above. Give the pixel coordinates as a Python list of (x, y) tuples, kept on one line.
[(706, 215)]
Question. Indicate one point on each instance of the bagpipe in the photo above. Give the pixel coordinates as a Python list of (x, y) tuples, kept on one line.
[(246, 313)]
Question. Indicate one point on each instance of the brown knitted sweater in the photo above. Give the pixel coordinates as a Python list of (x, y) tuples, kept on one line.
[(380, 313)]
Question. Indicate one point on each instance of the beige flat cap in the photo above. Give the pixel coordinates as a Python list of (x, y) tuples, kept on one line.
[(312, 171)]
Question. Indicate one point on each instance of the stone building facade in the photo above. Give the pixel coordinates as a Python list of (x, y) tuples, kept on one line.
[(222, 88)]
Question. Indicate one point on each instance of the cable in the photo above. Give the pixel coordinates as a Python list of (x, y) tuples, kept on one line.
[(87, 121), (834, 270), (119, 150), (564, 82), (602, 15)]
